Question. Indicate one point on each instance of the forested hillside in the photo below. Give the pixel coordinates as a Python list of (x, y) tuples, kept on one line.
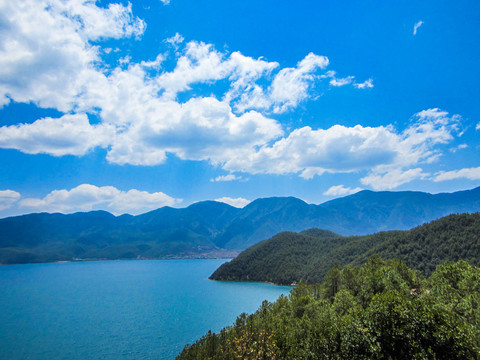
[(290, 257), (380, 310)]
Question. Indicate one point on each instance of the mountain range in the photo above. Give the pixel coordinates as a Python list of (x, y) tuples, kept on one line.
[(213, 229)]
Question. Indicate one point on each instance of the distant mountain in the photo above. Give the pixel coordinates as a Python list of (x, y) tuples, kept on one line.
[(162, 233), (212, 229), (290, 257), (365, 212)]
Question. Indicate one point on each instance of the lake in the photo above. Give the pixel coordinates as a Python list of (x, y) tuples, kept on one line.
[(117, 309)]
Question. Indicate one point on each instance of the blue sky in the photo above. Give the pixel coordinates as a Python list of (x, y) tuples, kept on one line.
[(130, 106)]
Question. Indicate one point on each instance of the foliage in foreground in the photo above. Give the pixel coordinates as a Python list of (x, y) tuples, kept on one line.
[(381, 310)]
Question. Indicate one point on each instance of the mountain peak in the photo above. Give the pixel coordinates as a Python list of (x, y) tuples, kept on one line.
[(276, 201)]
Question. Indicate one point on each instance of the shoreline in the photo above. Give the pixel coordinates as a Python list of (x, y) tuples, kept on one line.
[(131, 259), (253, 281)]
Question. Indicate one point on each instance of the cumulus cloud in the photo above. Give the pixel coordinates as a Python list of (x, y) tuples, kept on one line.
[(339, 190), (70, 134), (200, 129), (229, 177), (347, 149), (147, 126), (46, 54), (202, 63), (417, 26), (8, 198), (199, 63), (431, 127), (237, 202), (337, 149), (467, 173), (88, 197), (290, 86), (153, 64), (478, 126)]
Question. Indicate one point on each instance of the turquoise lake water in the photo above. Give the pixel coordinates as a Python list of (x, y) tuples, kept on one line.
[(117, 309)]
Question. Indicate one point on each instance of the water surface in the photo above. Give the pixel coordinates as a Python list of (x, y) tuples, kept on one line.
[(117, 309)]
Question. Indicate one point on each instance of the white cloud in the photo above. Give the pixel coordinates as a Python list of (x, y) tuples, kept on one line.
[(339, 190), (135, 201), (46, 56), (347, 149), (478, 126), (229, 177), (200, 129), (366, 84), (175, 40), (337, 82), (417, 26), (200, 63), (165, 2), (467, 173), (8, 198), (154, 64), (337, 149), (291, 85), (88, 197), (244, 92), (341, 82), (434, 113), (96, 22), (70, 134), (237, 202), (392, 179), (125, 60)]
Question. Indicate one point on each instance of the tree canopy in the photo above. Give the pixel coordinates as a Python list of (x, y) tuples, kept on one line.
[(380, 310)]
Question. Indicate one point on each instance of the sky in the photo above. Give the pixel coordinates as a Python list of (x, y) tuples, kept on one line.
[(131, 106)]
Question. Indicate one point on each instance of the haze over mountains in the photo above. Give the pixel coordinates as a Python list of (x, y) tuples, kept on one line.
[(212, 229)]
